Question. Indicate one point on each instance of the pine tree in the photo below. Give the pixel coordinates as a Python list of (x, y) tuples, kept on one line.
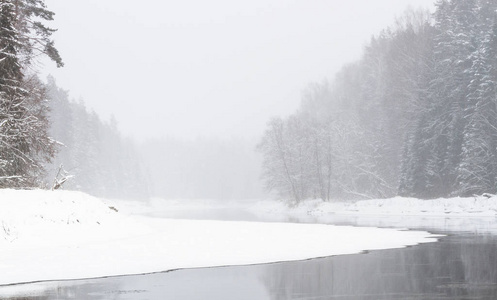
[(24, 141), (14, 149), (25, 145), (34, 36), (455, 24), (478, 167)]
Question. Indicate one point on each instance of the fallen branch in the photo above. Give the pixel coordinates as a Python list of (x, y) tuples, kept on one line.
[(61, 177)]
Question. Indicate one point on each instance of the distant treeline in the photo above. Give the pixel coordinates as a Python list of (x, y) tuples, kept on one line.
[(101, 161), (415, 116)]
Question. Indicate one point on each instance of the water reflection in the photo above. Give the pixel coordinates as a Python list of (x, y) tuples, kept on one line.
[(462, 266), (456, 268)]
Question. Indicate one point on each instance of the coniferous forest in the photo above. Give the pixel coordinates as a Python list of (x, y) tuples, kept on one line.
[(99, 160), (415, 116)]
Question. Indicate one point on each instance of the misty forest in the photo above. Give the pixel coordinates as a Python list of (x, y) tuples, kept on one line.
[(415, 116), (380, 182)]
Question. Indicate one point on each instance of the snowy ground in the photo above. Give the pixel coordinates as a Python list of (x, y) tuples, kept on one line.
[(474, 214), (68, 235), (472, 206)]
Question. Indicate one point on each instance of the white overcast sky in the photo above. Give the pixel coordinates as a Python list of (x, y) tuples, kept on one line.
[(218, 68)]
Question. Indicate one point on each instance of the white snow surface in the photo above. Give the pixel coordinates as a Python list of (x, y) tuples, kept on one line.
[(477, 206), (48, 235)]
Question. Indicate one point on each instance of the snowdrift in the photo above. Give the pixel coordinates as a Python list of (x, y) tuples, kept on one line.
[(58, 235)]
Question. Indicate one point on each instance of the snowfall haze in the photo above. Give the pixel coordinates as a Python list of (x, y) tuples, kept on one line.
[(218, 69), (193, 134)]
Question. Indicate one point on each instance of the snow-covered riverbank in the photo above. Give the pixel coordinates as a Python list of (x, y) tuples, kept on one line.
[(478, 206), (68, 235), (475, 214), (399, 206)]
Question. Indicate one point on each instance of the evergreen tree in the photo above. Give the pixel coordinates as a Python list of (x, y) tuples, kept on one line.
[(24, 142), (14, 157), (35, 37), (455, 26), (478, 167)]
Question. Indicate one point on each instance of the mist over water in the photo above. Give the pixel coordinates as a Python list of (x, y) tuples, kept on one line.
[(204, 168)]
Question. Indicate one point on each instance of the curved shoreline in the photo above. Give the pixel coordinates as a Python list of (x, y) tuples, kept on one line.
[(69, 235)]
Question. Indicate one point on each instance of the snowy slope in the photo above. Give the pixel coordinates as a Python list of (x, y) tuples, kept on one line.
[(66, 235)]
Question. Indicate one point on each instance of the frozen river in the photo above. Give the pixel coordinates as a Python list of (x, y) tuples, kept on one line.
[(463, 265)]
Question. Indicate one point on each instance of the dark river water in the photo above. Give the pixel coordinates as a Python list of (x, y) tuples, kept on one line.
[(462, 265)]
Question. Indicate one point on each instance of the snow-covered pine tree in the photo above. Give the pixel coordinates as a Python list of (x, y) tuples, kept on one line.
[(444, 123), (24, 141), (14, 152), (35, 37), (478, 167)]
